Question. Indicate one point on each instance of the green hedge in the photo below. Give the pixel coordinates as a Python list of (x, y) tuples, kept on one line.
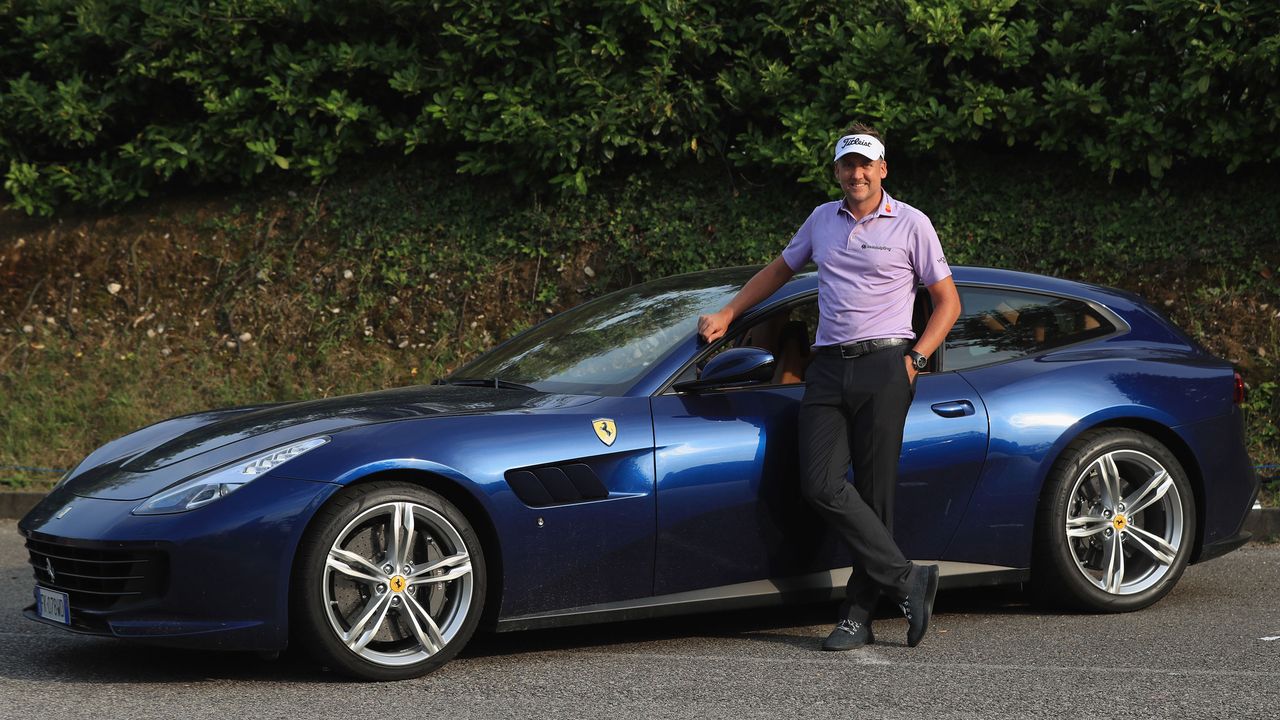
[(394, 273), (1201, 248), (103, 101)]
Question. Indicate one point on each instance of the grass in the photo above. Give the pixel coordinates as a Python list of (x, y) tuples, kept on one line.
[(71, 401), (394, 276)]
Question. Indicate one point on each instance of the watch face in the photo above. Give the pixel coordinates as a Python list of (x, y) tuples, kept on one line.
[(919, 361)]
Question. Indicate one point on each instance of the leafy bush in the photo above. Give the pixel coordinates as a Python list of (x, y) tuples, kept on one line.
[(104, 101), (394, 273)]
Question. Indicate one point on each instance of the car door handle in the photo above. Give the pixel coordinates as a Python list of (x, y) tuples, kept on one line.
[(955, 408)]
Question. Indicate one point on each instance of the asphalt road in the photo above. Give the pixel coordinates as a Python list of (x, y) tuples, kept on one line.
[(1211, 649)]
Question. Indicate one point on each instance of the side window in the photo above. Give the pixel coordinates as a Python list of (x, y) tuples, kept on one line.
[(997, 325), (788, 334)]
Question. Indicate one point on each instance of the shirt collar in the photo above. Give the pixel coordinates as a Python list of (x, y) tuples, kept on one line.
[(888, 206)]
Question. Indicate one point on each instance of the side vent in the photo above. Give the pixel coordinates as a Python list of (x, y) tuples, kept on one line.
[(556, 485)]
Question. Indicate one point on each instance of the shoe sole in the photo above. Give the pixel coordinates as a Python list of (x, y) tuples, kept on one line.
[(930, 590), (829, 648)]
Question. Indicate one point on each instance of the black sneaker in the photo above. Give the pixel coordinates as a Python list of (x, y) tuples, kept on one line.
[(849, 634), (918, 605)]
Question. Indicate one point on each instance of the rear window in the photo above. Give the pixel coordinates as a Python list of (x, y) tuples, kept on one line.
[(997, 325)]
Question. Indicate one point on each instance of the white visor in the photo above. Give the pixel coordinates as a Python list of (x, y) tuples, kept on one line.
[(864, 145)]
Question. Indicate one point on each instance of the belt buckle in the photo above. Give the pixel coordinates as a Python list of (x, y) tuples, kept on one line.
[(853, 350)]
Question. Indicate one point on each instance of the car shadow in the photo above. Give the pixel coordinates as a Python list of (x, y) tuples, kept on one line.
[(731, 623), (80, 659), (801, 626), (48, 655)]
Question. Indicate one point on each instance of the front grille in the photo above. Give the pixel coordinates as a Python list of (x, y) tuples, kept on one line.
[(99, 579)]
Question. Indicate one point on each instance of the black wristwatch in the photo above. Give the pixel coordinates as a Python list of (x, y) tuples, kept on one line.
[(918, 360)]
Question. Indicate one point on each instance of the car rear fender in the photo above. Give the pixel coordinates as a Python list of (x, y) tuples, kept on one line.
[(1141, 420), (1190, 464), (999, 524)]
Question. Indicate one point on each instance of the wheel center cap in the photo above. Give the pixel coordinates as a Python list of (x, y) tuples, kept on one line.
[(1119, 522), (398, 583)]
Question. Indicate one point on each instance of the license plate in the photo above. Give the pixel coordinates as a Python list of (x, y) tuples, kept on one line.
[(53, 605)]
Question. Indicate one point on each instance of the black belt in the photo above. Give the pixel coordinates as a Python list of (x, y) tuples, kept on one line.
[(860, 348)]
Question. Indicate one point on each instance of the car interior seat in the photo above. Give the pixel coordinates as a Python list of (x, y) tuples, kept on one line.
[(792, 354), (920, 313)]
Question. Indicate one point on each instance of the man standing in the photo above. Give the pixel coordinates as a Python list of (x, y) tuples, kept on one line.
[(871, 251)]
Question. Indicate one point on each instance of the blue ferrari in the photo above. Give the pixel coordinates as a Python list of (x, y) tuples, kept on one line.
[(607, 464)]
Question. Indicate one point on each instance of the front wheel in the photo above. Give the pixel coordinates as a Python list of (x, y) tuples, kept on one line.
[(389, 582), (1116, 523)]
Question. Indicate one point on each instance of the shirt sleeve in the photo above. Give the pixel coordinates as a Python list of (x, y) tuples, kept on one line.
[(800, 250), (926, 254)]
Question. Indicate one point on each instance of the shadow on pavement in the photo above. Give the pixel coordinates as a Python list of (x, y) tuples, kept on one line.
[(42, 654), (801, 626)]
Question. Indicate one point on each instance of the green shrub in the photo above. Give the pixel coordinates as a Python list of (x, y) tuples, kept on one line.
[(104, 101), (394, 273)]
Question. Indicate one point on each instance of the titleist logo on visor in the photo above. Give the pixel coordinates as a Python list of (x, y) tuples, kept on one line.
[(864, 145), (854, 141)]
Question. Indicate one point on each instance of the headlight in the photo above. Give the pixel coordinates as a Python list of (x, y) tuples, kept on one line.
[(204, 489)]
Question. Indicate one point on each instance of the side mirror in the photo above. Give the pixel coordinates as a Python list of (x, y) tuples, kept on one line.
[(739, 366)]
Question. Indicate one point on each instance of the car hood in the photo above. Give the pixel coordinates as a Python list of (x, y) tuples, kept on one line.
[(139, 465)]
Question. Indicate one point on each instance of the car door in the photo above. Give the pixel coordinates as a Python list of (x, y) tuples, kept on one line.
[(729, 508), (944, 445), (997, 346)]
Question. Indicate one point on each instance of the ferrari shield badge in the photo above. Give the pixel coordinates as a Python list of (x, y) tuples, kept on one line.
[(605, 430)]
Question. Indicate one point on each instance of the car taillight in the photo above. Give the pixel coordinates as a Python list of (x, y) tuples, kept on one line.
[(1239, 394)]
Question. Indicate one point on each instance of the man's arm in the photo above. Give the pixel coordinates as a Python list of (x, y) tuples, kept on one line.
[(760, 286), (946, 309)]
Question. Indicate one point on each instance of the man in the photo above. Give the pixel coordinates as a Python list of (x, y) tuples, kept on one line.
[(871, 251)]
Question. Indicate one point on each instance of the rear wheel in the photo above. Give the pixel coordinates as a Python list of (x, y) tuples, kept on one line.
[(389, 583), (1116, 523)]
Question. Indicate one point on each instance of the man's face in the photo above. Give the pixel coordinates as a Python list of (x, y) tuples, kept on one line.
[(860, 178)]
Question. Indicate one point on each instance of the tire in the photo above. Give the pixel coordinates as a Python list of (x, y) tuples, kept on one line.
[(368, 604), (1092, 550)]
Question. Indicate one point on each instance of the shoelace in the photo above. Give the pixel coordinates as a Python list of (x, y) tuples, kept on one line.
[(849, 626)]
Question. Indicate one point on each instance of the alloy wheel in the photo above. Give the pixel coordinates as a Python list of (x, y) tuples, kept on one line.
[(397, 583), (1125, 522)]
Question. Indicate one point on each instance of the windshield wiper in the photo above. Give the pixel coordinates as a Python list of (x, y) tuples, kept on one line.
[(494, 383)]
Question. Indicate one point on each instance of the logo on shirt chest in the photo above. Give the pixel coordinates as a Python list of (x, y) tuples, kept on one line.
[(873, 249)]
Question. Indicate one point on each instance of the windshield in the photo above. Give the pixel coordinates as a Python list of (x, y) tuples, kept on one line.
[(605, 346)]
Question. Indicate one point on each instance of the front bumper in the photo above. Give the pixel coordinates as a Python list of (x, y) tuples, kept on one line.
[(215, 578)]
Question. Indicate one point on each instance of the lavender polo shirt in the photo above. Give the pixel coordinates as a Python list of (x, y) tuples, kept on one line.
[(867, 269)]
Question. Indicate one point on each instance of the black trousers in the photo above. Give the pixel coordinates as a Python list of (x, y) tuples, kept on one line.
[(853, 412)]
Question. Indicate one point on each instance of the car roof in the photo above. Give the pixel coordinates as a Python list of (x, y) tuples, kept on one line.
[(1123, 303), (1142, 323), (806, 281)]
